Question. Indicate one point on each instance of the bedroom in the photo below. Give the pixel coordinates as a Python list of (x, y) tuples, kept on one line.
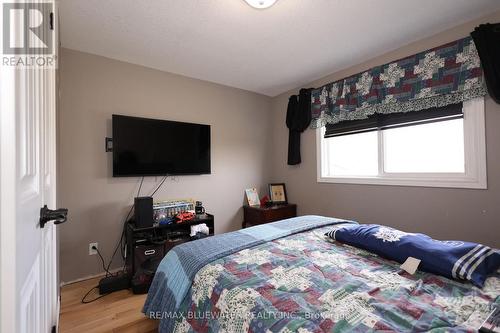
[(236, 68)]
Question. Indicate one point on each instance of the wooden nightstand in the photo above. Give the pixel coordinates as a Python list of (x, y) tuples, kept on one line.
[(254, 215)]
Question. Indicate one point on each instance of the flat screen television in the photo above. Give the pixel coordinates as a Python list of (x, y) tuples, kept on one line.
[(152, 147)]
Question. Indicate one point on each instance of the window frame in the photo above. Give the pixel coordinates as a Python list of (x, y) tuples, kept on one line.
[(475, 176)]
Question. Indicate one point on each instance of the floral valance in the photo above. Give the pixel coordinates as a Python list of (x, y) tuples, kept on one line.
[(445, 75)]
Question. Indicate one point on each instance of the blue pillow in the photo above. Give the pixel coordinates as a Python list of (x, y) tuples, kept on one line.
[(452, 259)]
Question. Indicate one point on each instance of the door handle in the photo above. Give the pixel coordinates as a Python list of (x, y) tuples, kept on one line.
[(58, 215)]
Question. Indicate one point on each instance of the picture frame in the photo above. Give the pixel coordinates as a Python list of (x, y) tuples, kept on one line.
[(277, 193), (252, 197)]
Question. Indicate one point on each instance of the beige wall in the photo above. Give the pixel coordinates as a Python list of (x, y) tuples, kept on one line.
[(249, 147), (92, 89), (443, 213)]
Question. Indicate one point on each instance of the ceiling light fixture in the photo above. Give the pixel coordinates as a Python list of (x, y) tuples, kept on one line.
[(260, 4)]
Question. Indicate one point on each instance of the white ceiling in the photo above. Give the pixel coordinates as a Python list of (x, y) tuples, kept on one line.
[(267, 51)]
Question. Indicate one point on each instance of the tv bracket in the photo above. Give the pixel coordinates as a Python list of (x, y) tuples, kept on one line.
[(108, 146), (58, 215)]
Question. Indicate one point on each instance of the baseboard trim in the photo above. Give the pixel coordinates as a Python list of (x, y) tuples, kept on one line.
[(88, 277)]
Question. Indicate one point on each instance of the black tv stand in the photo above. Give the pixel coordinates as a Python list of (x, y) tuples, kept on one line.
[(153, 243)]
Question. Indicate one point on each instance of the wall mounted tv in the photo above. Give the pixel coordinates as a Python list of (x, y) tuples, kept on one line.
[(151, 147)]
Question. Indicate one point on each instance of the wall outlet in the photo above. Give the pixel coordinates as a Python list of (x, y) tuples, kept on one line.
[(93, 252)]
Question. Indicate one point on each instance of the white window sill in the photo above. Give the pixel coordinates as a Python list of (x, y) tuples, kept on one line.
[(428, 181)]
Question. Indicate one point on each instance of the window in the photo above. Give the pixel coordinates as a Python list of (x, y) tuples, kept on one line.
[(438, 148)]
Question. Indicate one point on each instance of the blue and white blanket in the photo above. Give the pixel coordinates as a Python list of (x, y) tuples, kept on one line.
[(177, 270), (453, 259)]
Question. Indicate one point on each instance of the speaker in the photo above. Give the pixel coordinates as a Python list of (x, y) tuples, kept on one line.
[(143, 207)]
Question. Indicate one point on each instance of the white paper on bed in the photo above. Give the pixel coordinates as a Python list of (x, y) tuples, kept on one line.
[(410, 265)]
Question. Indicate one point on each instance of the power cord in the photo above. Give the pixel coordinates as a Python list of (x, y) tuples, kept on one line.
[(84, 301), (102, 261), (158, 187), (140, 186), (121, 245)]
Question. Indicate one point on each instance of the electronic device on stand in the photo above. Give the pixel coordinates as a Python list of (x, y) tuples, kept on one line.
[(143, 212)]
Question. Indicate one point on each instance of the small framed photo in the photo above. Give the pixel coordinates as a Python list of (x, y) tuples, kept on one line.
[(252, 197), (277, 192)]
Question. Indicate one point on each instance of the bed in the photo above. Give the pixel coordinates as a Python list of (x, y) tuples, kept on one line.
[(289, 277)]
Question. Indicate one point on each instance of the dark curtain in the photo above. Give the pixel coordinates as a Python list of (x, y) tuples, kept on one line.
[(487, 40), (298, 118)]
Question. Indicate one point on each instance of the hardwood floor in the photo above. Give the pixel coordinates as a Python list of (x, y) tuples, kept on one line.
[(116, 312)]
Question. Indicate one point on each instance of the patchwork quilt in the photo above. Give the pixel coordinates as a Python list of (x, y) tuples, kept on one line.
[(308, 283), (176, 272)]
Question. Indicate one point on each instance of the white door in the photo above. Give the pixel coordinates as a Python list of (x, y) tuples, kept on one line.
[(28, 275)]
